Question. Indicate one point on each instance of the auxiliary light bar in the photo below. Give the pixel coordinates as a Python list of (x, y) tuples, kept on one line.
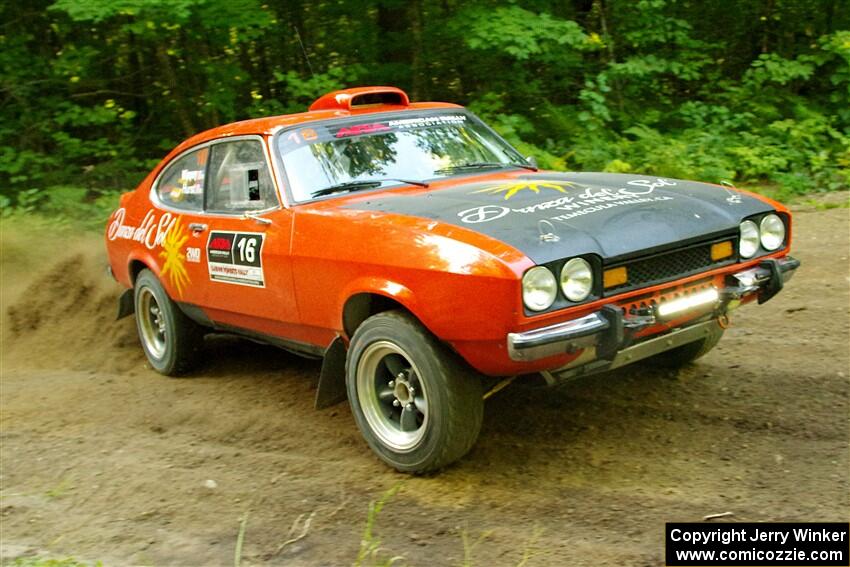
[(681, 304)]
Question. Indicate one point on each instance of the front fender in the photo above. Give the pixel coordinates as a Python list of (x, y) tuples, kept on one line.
[(451, 306)]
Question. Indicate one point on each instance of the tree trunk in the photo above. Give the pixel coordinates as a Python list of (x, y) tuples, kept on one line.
[(394, 46), (181, 105)]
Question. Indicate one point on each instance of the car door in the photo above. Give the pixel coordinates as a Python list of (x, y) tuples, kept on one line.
[(247, 241)]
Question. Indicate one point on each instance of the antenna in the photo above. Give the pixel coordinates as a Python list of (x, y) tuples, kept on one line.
[(304, 51)]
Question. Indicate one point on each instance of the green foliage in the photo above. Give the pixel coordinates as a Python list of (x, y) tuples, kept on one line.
[(370, 552), (95, 92), (520, 33)]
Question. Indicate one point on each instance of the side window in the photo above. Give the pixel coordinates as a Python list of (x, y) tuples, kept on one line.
[(239, 178), (182, 183)]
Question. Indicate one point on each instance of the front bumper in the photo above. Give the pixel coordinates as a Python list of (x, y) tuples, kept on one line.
[(608, 336)]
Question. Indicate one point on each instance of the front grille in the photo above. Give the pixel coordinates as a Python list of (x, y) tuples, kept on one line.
[(669, 266)]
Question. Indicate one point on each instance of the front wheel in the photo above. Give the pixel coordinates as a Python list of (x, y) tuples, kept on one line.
[(171, 340), (418, 407)]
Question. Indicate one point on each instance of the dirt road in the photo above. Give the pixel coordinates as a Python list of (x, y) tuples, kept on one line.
[(103, 459)]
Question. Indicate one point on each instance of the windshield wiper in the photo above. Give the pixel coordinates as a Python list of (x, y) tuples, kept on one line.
[(364, 184), (484, 165)]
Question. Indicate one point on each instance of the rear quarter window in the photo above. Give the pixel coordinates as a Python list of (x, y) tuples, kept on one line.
[(181, 185)]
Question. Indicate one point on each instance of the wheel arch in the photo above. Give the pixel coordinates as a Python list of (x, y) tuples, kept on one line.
[(371, 296), (360, 300), (363, 305), (134, 269), (138, 262), (126, 301)]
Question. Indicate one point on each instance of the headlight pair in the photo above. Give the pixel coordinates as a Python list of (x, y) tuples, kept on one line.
[(769, 233), (540, 287)]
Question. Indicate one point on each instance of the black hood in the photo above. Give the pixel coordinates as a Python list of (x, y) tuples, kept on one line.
[(615, 216)]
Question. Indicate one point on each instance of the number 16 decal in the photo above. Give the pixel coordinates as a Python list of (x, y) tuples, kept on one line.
[(248, 246), (236, 258)]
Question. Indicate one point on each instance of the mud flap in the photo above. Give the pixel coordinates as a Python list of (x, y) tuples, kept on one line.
[(331, 390), (126, 305)]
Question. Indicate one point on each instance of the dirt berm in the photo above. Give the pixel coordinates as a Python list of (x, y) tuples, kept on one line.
[(103, 459)]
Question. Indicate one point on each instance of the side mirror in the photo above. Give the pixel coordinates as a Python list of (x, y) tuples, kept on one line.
[(532, 161)]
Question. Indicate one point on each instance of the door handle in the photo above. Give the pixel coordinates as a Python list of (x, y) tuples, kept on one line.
[(197, 227)]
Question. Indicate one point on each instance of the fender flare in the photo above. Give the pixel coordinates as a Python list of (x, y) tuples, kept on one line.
[(373, 285), (145, 257)]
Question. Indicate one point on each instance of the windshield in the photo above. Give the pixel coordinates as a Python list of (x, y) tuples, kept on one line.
[(387, 150)]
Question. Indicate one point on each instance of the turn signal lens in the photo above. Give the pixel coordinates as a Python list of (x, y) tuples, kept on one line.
[(721, 250), (615, 277)]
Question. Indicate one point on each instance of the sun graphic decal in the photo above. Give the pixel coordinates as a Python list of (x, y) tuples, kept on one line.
[(175, 266), (511, 189)]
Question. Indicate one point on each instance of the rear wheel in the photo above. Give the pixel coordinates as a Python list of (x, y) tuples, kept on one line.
[(171, 341), (417, 406), (685, 354)]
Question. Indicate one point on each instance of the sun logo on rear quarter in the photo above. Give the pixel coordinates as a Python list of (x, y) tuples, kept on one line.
[(511, 189), (175, 261)]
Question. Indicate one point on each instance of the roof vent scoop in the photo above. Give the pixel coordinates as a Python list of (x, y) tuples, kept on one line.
[(352, 99)]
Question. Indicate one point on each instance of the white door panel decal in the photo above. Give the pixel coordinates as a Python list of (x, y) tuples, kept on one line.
[(236, 257)]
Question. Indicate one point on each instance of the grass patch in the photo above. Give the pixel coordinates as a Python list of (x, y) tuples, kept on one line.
[(60, 489), (46, 562), (373, 554), (240, 541), (71, 207), (370, 545), (825, 205)]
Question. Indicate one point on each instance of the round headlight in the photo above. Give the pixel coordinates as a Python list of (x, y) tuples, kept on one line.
[(577, 279), (539, 288), (749, 244), (772, 232)]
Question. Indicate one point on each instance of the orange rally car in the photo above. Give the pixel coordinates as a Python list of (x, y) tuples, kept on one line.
[(424, 258)]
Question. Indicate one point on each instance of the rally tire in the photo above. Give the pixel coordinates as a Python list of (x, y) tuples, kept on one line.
[(452, 394), (171, 341), (685, 354)]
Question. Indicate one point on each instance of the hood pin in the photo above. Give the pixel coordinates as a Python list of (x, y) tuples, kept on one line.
[(547, 235)]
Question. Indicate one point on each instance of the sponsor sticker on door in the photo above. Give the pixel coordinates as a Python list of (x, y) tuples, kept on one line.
[(236, 258)]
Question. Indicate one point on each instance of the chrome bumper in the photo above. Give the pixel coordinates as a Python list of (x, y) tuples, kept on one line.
[(608, 330), (557, 339)]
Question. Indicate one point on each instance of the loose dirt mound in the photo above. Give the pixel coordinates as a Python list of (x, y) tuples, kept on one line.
[(66, 316), (105, 459)]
